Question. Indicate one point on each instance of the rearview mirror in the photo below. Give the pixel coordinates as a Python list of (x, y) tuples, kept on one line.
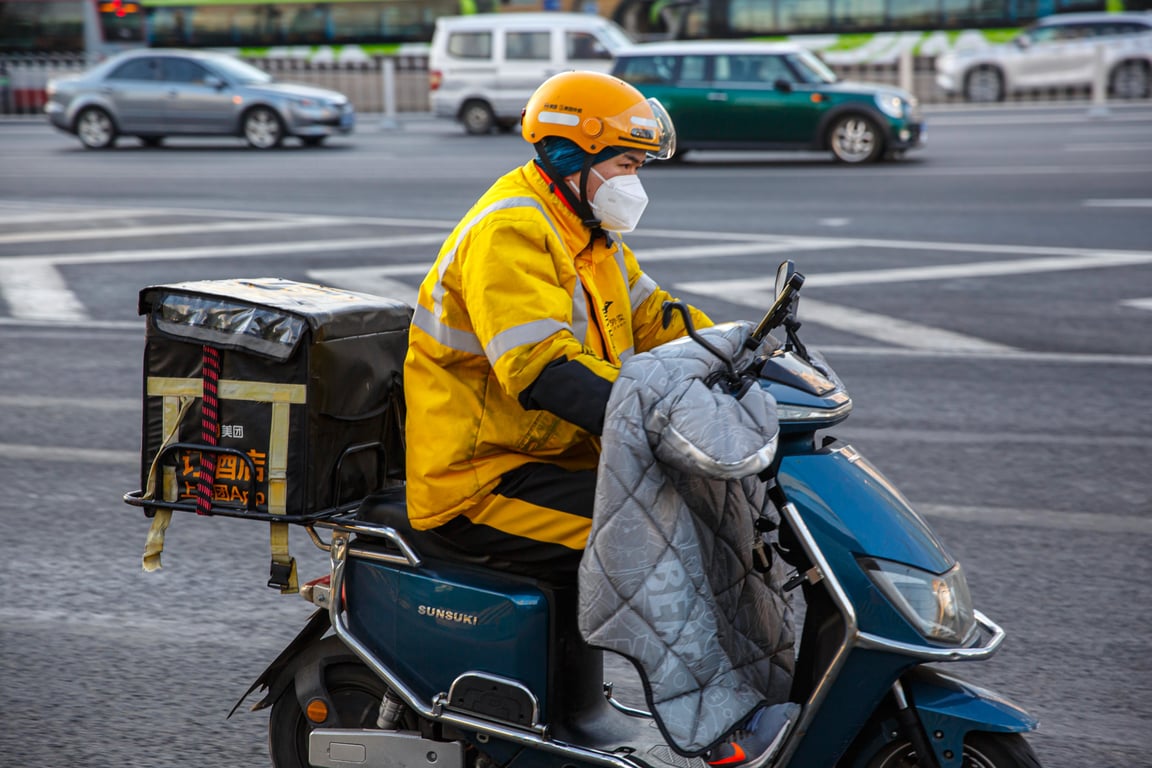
[(784, 273), (783, 86), (1022, 42), (783, 310), (214, 82)]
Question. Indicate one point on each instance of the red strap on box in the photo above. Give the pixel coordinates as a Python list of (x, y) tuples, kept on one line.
[(209, 428)]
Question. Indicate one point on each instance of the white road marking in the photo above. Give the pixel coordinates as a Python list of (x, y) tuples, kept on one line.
[(1092, 522), (953, 437), (226, 251), (1017, 356), (834, 222), (36, 291), (1109, 146), (889, 330), (892, 330), (17, 452), (372, 280), (168, 229), (55, 403), (1138, 303), (58, 217), (694, 252), (1076, 258), (1133, 202)]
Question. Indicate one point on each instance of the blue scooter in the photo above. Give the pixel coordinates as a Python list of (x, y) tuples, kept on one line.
[(420, 656)]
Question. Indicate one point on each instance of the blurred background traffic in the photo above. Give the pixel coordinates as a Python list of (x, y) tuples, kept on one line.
[(378, 52)]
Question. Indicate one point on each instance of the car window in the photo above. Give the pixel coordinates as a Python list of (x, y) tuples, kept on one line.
[(238, 72), (184, 71), (810, 68), (583, 46), (650, 70), (1058, 33), (1109, 28), (693, 69), (470, 45), (528, 46), (147, 68), (773, 68)]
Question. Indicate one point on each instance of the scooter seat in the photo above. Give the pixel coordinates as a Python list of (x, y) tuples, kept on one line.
[(390, 507)]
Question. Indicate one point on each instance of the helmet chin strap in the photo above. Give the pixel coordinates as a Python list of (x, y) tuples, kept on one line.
[(580, 204)]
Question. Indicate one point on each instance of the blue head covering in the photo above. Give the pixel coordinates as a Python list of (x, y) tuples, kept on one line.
[(567, 157)]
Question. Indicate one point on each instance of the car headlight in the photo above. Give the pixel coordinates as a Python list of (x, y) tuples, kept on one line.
[(890, 104), (938, 605), (306, 103)]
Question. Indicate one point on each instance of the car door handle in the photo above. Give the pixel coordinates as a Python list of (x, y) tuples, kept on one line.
[(717, 96)]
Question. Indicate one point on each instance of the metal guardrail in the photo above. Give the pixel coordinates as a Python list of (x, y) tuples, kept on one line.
[(399, 82), (383, 84)]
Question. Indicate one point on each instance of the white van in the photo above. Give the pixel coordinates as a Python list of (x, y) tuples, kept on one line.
[(483, 68)]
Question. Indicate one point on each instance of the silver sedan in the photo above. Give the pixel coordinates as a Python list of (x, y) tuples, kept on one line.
[(156, 93)]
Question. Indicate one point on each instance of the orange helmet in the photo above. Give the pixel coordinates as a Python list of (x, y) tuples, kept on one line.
[(596, 111)]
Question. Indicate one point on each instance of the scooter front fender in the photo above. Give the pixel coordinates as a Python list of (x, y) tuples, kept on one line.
[(950, 708)]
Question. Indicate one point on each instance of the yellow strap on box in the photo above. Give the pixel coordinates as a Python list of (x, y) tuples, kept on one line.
[(283, 568), (174, 410)]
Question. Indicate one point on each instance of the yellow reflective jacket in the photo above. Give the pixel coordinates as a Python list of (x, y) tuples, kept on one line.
[(517, 285)]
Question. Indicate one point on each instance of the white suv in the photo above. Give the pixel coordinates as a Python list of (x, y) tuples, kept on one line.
[(1057, 52), (482, 68)]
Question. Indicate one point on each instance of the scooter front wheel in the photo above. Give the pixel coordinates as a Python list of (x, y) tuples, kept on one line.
[(981, 750), (356, 694)]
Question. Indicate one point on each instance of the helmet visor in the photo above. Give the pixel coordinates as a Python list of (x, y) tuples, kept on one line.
[(667, 131), (645, 126)]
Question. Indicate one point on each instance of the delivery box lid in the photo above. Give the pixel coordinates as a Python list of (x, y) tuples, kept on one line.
[(267, 316)]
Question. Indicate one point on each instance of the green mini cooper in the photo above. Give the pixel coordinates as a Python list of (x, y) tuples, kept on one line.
[(748, 95)]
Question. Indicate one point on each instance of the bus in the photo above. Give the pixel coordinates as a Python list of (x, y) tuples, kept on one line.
[(101, 27), (689, 19)]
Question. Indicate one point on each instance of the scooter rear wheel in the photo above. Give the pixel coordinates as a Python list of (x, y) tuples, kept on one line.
[(981, 750), (356, 694)]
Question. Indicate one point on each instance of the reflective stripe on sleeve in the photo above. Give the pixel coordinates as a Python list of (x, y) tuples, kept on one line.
[(499, 205), (453, 338), (518, 335), (645, 287), (579, 312)]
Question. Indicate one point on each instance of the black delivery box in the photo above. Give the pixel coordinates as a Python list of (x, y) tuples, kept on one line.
[(310, 399)]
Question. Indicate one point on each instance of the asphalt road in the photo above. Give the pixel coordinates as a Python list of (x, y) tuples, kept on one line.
[(988, 302)]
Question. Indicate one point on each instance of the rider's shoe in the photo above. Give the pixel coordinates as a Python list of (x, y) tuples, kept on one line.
[(755, 744)]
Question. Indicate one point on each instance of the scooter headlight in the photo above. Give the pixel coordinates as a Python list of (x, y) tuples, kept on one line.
[(938, 605)]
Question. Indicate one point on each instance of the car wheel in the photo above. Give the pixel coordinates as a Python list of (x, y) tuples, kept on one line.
[(1130, 80), (312, 141), (984, 84), (262, 128), (855, 139), (477, 118), (152, 142), (95, 128)]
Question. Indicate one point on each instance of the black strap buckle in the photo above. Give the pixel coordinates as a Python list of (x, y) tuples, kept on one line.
[(281, 575)]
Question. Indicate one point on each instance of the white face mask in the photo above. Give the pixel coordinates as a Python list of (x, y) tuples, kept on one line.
[(619, 202)]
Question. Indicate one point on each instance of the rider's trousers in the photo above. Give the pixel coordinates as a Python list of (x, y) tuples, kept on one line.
[(537, 520)]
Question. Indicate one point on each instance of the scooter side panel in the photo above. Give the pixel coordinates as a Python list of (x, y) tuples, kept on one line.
[(869, 514), (852, 510), (433, 623), (859, 689)]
